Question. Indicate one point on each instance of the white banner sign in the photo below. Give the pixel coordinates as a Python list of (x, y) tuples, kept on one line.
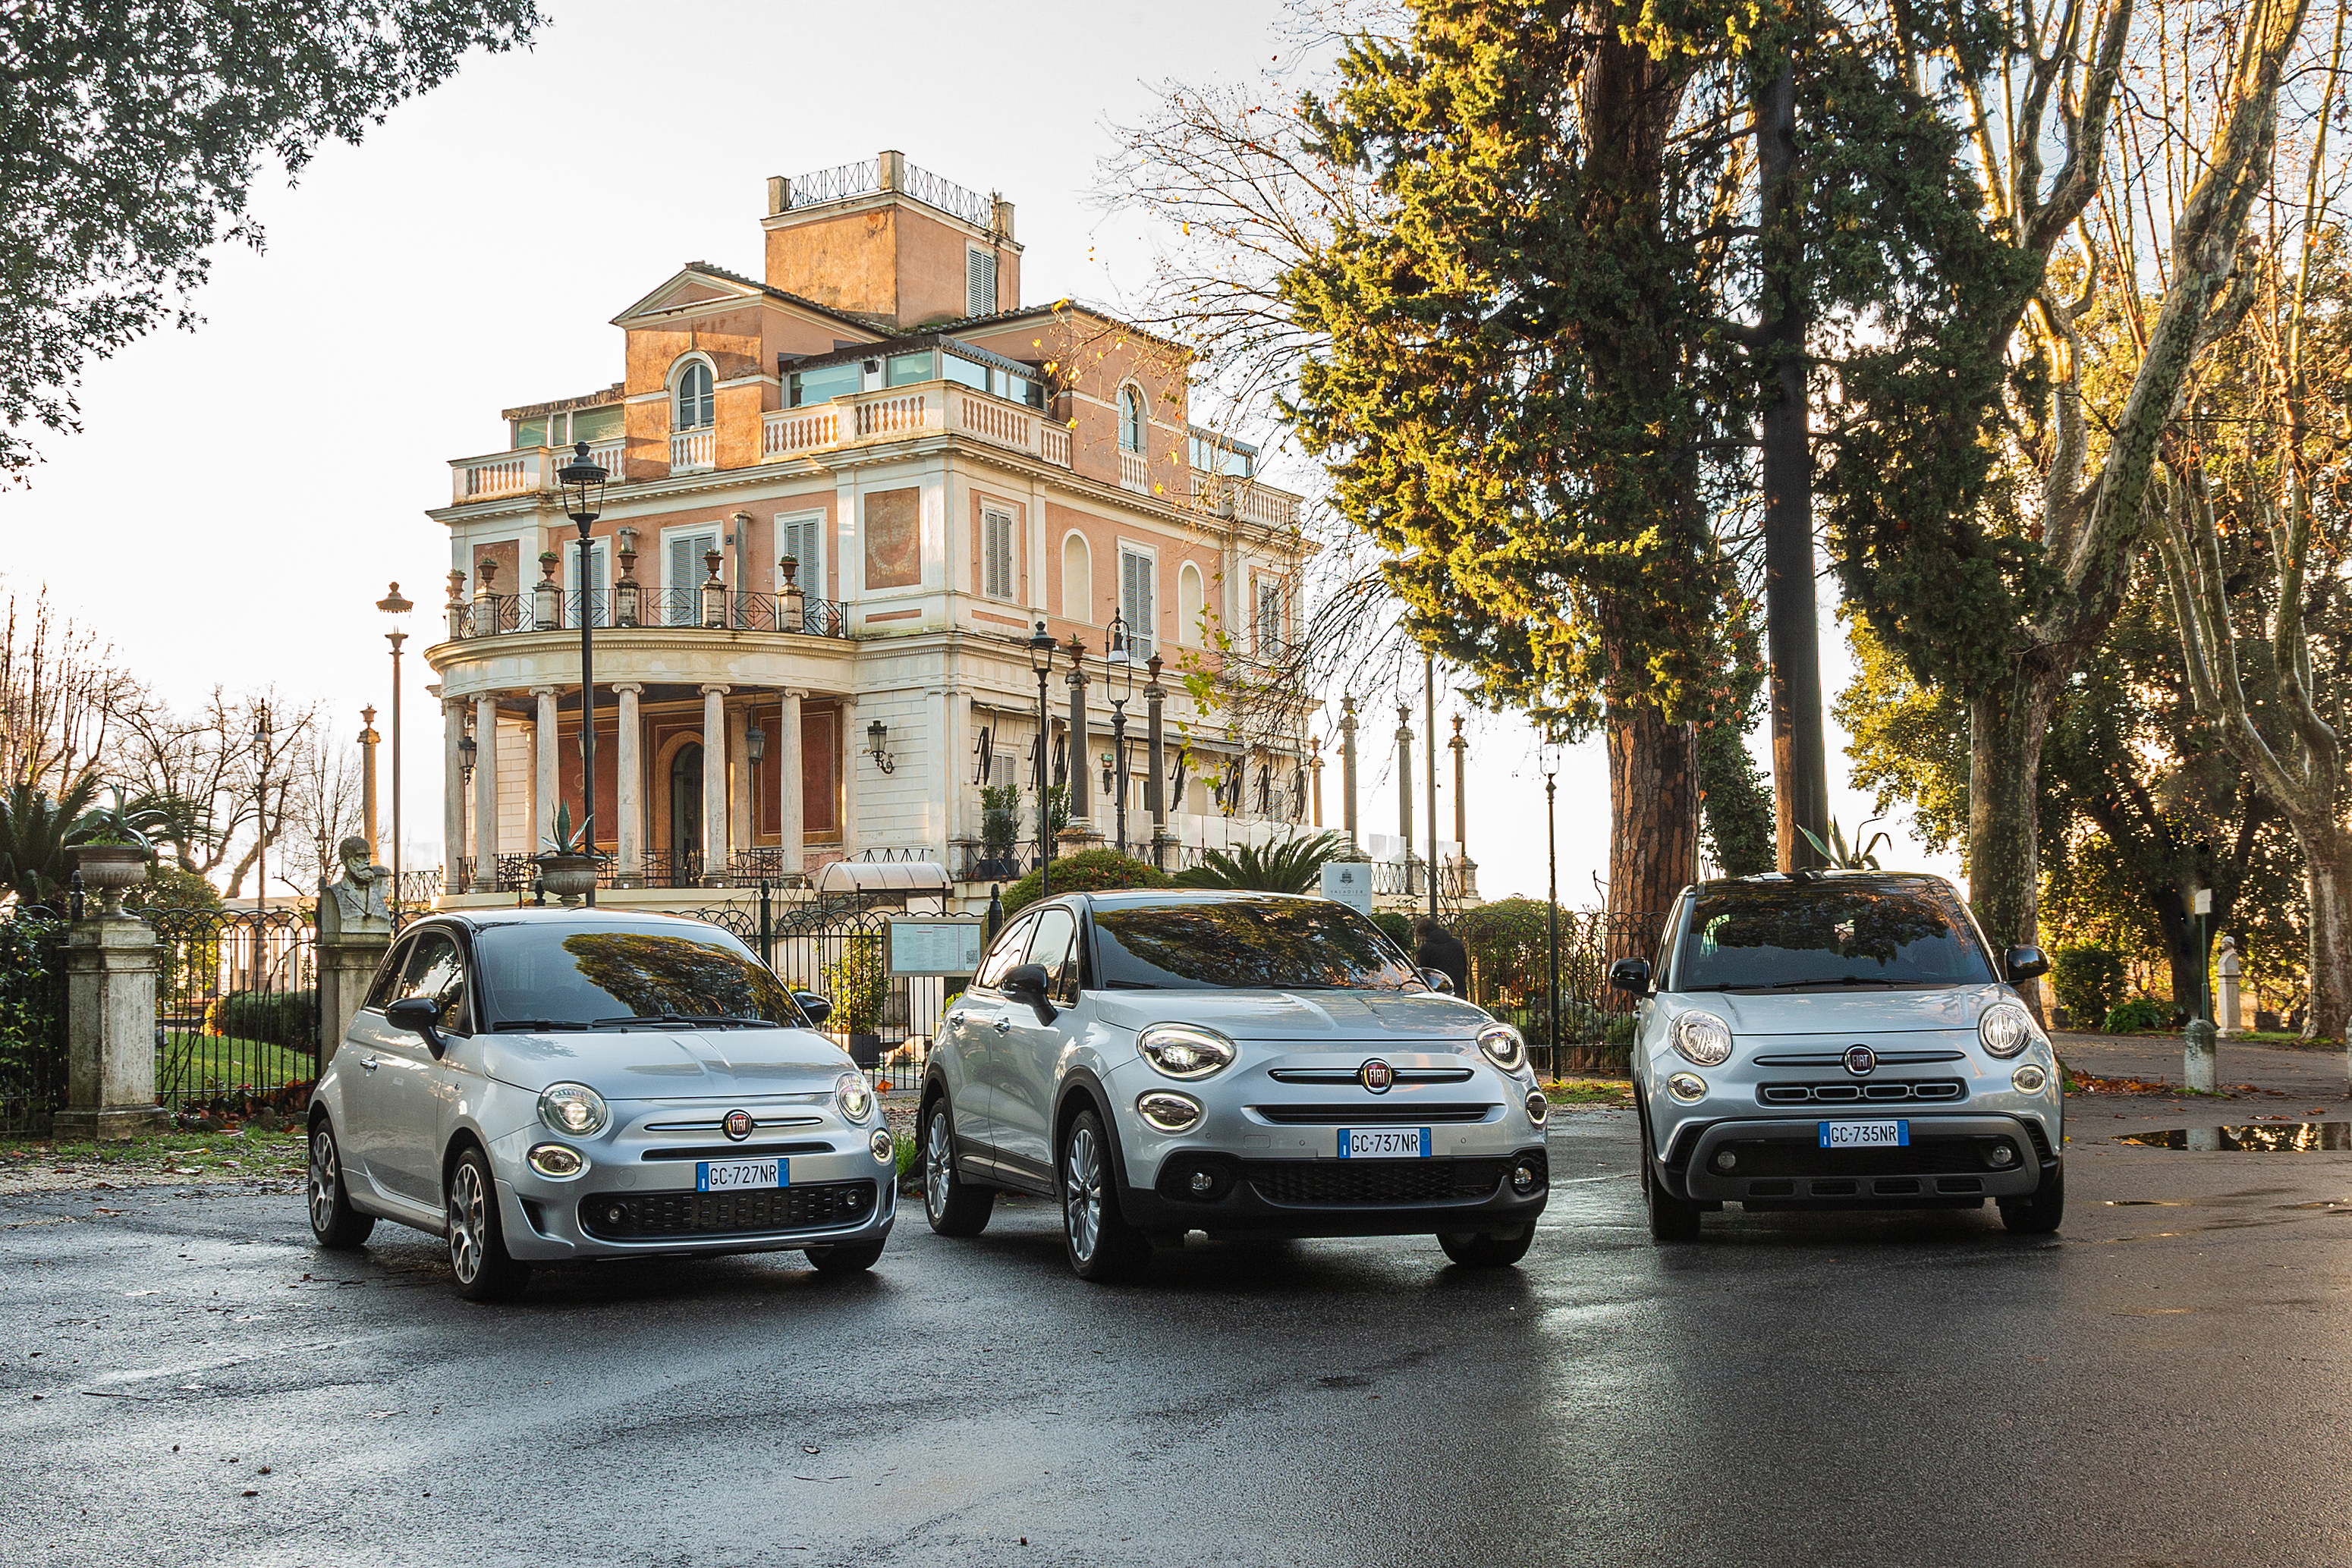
[(1349, 882)]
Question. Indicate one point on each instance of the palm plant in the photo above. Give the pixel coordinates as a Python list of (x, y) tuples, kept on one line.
[(1294, 865), (1863, 856), (35, 834)]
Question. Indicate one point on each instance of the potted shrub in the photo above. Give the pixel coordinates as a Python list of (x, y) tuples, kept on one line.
[(859, 984), (1000, 832), (110, 850), (567, 867)]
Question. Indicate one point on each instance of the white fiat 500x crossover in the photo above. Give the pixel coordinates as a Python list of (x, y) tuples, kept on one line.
[(542, 1086), (1841, 1040), (1239, 1063)]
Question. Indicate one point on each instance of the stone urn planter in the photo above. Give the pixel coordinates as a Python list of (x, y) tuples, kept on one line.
[(108, 870), (567, 876), (866, 1050)]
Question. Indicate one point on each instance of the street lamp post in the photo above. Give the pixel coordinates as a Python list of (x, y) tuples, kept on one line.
[(584, 503), (1118, 679), (1040, 660), (1551, 854), (261, 823), (393, 604)]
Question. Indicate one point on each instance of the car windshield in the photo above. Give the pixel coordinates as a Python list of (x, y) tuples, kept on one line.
[(1807, 935), (542, 974), (1246, 944)]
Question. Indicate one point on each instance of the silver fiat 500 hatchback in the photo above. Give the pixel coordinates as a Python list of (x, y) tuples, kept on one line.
[(540, 1086), (1840, 1039), (1239, 1063)]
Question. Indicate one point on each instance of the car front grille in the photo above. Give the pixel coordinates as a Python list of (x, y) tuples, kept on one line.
[(1847, 1092), (1351, 1183), (1374, 1114), (641, 1216), (1787, 1157)]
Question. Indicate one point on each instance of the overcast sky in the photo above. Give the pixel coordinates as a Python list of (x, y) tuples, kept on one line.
[(241, 496)]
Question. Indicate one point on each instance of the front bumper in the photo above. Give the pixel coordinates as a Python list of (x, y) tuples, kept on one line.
[(1341, 1198), (1951, 1161)]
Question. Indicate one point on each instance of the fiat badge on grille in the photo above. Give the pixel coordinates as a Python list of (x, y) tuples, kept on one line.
[(1376, 1075), (737, 1125), (1860, 1061)]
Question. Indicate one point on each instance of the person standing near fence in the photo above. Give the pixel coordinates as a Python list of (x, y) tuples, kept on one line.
[(1435, 947)]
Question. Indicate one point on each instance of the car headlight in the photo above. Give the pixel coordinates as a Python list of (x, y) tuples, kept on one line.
[(573, 1108), (1185, 1050), (1503, 1046), (853, 1095), (1703, 1038), (2006, 1029)]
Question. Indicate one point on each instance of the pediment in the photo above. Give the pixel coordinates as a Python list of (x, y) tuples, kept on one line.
[(688, 287)]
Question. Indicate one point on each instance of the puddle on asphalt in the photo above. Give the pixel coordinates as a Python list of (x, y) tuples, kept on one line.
[(2288, 1137)]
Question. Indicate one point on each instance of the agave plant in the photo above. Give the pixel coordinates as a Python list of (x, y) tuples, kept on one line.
[(136, 823), (1294, 865), (1862, 857), (567, 840), (36, 832)]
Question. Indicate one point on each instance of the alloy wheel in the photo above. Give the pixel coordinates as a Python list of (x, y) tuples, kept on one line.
[(465, 1222), (326, 1178), (1082, 1184), (939, 1164)]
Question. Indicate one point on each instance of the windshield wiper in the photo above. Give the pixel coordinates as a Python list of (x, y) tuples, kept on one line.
[(697, 1020), (1822, 980), (504, 1024)]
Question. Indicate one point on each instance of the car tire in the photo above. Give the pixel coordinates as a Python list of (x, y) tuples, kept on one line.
[(477, 1242), (338, 1227), (1486, 1249), (1101, 1245), (850, 1259), (2041, 1214), (953, 1205), (1672, 1218)]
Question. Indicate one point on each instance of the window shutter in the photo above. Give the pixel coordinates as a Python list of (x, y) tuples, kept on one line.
[(996, 554), (685, 575), (1135, 603), (979, 282), (803, 538)]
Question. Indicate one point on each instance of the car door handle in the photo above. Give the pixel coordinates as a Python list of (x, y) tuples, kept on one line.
[(955, 1022), (1003, 1026), (372, 1064)]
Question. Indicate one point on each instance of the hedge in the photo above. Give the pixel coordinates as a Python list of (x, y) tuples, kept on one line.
[(275, 1018)]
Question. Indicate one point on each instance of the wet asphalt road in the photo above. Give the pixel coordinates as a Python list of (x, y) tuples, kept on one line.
[(2162, 1384)]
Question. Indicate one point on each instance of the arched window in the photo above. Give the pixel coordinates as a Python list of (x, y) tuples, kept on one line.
[(1077, 580), (1130, 420), (693, 410), (1191, 601)]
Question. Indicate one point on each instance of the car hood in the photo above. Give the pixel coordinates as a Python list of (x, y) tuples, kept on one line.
[(667, 1064), (1861, 1011), (1327, 1015)]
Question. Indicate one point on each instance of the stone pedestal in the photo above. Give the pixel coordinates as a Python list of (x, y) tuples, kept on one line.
[(110, 1032), (2198, 1065), (347, 964), (2230, 1020)]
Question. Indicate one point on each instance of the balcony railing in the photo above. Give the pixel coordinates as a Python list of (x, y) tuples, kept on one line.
[(492, 615), (948, 407), (691, 450), (1244, 498), (1134, 471), (525, 471)]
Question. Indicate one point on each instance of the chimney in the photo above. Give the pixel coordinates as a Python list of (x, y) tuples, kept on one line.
[(780, 195), (1002, 221)]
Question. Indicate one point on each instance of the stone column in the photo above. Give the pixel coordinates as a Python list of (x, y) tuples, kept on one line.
[(486, 794), (629, 768), (453, 798), (791, 818), (1347, 775), (1155, 751), (1082, 815), (740, 827), (714, 786), (109, 1030), (369, 739), (853, 751), (548, 771), (1404, 793)]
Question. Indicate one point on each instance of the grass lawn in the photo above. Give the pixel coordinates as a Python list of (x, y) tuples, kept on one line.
[(190, 1062), (1589, 1090), (30, 1164)]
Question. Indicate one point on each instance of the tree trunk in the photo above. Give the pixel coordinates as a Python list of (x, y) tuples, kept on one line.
[(1654, 824), (2327, 882), (2005, 730)]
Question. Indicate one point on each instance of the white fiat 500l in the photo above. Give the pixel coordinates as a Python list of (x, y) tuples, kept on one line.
[(1840, 1039), (1238, 1063), (540, 1086)]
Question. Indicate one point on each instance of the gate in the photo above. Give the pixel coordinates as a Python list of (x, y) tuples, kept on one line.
[(32, 1019), (237, 1009), (838, 948)]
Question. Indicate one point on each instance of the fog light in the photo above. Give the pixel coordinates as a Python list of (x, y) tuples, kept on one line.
[(880, 1143), (1523, 1179), (614, 1214), (1167, 1110), (556, 1160), (1203, 1181), (2000, 1156), (1538, 1106), (1725, 1159), (2028, 1080), (1687, 1086)]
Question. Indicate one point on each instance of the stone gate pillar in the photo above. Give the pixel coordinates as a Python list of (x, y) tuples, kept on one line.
[(354, 928), (109, 1030)]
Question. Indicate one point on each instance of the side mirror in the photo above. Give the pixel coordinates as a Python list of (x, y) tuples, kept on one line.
[(2024, 964), (1631, 975), (1438, 980), (420, 1016), (818, 1009), (1026, 983)]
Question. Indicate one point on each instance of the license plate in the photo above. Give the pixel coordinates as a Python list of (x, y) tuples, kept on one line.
[(1384, 1143), (1865, 1135), (733, 1175)]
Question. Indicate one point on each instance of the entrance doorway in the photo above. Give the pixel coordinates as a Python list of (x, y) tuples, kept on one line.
[(685, 806)]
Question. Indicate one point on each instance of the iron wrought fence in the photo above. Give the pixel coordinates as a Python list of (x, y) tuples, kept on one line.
[(237, 1009), (32, 1019), (1510, 946)]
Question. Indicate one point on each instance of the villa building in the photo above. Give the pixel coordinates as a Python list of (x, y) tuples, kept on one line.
[(843, 498)]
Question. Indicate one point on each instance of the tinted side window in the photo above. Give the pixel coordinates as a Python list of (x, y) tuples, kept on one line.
[(1055, 946), (386, 990), (435, 969), (1010, 943)]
